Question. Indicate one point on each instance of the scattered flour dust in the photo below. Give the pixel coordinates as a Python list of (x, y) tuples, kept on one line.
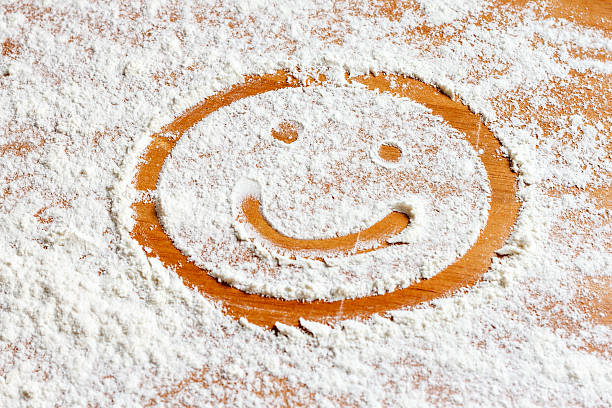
[(86, 319), (324, 184)]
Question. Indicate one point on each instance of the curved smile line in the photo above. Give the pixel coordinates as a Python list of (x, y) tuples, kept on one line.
[(369, 239)]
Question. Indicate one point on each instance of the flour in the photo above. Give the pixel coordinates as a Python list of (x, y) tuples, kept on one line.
[(87, 319)]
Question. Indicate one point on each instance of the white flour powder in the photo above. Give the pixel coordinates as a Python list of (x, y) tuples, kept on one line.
[(86, 319)]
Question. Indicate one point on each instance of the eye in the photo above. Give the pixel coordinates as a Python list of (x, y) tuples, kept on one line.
[(389, 152), (287, 131)]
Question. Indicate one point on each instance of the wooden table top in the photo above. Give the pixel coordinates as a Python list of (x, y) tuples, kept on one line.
[(465, 272)]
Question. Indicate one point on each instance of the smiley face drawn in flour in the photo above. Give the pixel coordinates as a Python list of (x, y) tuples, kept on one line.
[(325, 183)]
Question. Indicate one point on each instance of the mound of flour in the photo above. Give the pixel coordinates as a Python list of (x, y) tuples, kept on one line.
[(329, 182)]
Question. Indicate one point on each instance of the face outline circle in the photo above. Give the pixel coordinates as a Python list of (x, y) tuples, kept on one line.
[(266, 311)]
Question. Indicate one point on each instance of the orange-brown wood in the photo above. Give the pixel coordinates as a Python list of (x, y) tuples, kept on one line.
[(389, 153), (374, 237), (267, 311), (287, 132)]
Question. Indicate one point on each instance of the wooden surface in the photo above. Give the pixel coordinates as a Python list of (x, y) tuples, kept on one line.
[(595, 299), (267, 311), (374, 237)]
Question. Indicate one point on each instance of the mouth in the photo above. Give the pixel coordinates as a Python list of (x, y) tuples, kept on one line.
[(375, 237)]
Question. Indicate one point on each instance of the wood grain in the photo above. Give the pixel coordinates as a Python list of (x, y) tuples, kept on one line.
[(267, 311)]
